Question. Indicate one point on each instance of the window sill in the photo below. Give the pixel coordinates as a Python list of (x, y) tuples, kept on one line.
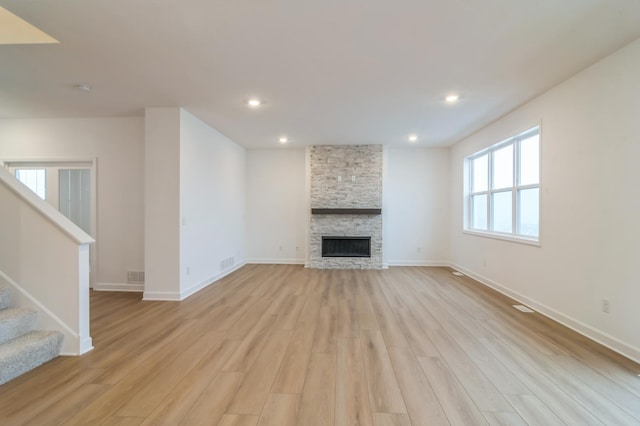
[(519, 240)]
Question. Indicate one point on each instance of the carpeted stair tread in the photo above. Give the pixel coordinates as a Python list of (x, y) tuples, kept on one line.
[(24, 353), (5, 296), (15, 322)]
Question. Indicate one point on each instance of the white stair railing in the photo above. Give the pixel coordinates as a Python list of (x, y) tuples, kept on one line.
[(45, 258)]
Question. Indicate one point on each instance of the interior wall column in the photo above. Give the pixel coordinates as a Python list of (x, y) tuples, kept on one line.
[(162, 204)]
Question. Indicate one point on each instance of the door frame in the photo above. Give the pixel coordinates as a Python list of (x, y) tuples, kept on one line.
[(66, 162)]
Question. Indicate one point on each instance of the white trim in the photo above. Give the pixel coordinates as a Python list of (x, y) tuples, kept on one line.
[(597, 336), (172, 296), (496, 236), (261, 261), (86, 345), (161, 296), (417, 263), (139, 288), (205, 283)]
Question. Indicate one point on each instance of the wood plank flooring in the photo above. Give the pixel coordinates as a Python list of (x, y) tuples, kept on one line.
[(283, 345)]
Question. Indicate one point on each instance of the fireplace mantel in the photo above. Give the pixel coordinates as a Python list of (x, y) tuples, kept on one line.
[(347, 211)]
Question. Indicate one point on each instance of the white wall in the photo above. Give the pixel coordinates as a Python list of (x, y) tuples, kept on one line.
[(118, 145), (277, 206), (162, 204), (590, 205), (416, 213), (212, 204)]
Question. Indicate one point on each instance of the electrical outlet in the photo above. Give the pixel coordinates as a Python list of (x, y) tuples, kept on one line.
[(188, 270), (280, 248), (484, 262), (419, 249), (606, 307)]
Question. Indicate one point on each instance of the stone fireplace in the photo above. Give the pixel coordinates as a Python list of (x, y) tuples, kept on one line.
[(346, 202)]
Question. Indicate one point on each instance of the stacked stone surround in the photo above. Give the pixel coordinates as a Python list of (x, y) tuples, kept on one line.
[(332, 172)]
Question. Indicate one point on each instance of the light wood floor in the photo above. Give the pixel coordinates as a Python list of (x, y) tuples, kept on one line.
[(283, 345)]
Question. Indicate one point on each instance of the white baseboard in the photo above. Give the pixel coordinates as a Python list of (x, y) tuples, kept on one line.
[(418, 263), (276, 261), (139, 288), (161, 296), (172, 296), (205, 283), (86, 345), (604, 339)]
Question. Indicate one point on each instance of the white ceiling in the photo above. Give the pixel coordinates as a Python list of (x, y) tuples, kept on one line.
[(330, 72)]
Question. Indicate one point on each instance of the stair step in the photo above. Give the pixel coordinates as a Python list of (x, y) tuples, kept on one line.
[(15, 322), (24, 353), (5, 296)]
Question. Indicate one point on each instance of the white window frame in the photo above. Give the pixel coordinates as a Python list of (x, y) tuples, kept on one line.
[(514, 189)]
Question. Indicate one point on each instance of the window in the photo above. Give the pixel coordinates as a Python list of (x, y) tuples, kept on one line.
[(34, 179), (504, 188)]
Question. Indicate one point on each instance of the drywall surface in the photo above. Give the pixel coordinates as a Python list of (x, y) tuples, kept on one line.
[(117, 145), (212, 204), (276, 206), (416, 206), (590, 204)]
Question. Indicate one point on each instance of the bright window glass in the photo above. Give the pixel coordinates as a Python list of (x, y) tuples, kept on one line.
[(479, 216), (35, 179), (501, 217), (530, 160), (480, 173), (529, 212), (502, 168)]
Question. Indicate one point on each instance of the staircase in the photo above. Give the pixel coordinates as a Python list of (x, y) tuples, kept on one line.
[(21, 348)]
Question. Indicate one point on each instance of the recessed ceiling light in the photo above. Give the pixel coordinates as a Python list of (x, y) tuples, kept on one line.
[(254, 102), (452, 98), (413, 138), (283, 139), (83, 87)]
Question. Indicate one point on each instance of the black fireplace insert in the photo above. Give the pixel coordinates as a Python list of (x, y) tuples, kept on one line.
[(346, 246)]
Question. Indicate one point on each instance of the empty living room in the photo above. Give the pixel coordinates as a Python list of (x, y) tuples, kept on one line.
[(319, 213)]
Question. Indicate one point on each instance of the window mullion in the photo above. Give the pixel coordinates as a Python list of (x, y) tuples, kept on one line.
[(489, 188), (514, 191), (469, 213)]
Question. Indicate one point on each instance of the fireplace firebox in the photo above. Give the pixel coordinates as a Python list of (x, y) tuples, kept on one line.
[(346, 246)]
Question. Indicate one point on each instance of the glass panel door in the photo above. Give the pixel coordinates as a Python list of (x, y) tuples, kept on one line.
[(74, 196)]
